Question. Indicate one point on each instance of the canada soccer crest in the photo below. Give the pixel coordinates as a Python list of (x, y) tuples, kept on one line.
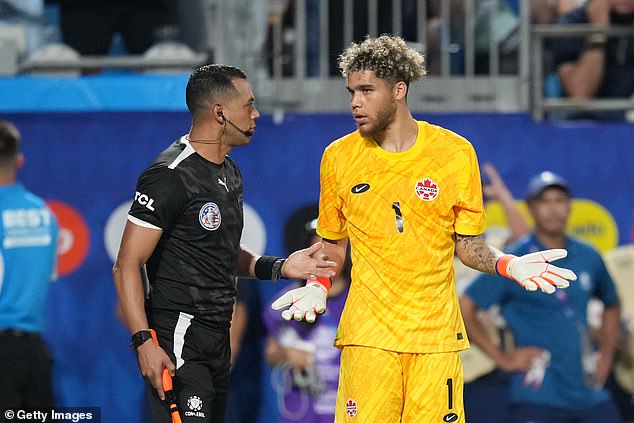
[(209, 216), (426, 189), (351, 408)]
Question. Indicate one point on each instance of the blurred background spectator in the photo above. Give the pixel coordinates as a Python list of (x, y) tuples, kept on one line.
[(620, 263), (559, 369), (597, 66), (88, 26), (28, 264)]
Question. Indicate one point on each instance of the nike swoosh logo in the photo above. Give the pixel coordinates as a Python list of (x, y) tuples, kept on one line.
[(359, 188), (451, 417)]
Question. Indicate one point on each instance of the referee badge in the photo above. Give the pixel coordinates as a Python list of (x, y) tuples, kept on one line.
[(209, 216)]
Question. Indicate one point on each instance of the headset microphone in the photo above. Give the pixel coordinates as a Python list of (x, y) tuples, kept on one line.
[(247, 133)]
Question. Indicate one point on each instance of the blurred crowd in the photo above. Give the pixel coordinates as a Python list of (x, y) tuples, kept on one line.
[(596, 66)]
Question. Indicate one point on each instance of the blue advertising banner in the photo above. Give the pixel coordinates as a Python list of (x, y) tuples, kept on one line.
[(86, 164)]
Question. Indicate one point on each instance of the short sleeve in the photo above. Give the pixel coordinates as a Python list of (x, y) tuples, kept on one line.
[(469, 209), (331, 223), (605, 289), (159, 198)]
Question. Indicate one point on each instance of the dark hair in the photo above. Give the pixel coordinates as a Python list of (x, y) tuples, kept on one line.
[(207, 83), (9, 141), (299, 229), (387, 56)]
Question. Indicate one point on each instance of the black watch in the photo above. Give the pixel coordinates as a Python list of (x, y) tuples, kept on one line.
[(139, 338)]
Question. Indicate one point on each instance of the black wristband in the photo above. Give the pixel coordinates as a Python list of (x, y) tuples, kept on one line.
[(269, 268), (139, 338)]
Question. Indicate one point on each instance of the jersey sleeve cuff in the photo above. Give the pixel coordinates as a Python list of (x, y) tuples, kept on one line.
[(331, 235), (470, 230), (143, 223)]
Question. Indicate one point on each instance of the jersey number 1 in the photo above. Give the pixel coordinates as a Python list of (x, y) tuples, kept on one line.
[(450, 393), (399, 217)]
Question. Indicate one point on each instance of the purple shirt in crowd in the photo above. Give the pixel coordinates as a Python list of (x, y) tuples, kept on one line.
[(316, 402)]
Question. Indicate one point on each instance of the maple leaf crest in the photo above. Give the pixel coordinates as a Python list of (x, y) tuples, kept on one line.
[(427, 189), (351, 407), (428, 183)]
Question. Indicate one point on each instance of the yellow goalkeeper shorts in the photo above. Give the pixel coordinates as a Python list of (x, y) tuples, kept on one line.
[(384, 386)]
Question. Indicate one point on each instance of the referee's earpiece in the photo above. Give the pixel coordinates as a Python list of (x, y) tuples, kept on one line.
[(221, 115)]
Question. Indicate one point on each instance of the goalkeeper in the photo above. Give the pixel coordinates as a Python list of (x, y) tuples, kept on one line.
[(406, 194)]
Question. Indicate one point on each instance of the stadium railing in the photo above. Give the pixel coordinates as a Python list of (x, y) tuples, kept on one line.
[(541, 104), (283, 78), (289, 82)]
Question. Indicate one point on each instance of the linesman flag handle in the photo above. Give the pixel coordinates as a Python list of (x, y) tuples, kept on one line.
[(170, 396)]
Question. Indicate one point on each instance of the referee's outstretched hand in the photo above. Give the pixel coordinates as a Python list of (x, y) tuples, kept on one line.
[(309, 263), (152, 360)]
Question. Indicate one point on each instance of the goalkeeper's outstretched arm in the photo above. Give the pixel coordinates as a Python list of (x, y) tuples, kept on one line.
[(473, 251), (531, 271)]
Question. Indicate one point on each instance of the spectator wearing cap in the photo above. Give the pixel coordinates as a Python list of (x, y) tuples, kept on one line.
[(558, 370)]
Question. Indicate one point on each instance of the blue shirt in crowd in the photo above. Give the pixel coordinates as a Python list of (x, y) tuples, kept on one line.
[(28, 241), (557, 323)]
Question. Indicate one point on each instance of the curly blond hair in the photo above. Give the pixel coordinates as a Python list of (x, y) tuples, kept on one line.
[(387, 56)]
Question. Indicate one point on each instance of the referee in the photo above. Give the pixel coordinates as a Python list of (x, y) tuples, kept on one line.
[(183, 231)]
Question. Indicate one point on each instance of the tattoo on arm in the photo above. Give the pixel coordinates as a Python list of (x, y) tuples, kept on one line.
[(474, 252)]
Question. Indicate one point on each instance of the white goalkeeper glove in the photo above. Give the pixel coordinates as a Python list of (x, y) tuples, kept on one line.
[(305, 302), (534, 270)]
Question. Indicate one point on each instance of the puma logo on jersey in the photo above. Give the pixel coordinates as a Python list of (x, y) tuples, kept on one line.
[(359, 188), (144, 200), (223, 183)]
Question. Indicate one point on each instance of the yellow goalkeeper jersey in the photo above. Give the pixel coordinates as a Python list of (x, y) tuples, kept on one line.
[(400, 212)]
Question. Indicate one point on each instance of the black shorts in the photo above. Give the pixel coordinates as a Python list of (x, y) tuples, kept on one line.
[(25, 373), (201, 354)]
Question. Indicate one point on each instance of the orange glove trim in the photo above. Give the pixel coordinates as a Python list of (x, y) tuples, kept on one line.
[(502, 264)]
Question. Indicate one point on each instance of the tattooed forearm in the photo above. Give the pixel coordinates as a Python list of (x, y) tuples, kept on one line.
[(474, 252)]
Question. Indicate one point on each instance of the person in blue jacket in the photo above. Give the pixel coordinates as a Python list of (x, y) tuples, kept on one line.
[(558, 369), (28, 240)]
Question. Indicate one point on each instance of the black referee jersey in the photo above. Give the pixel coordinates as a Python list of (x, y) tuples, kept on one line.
[(198, 205)]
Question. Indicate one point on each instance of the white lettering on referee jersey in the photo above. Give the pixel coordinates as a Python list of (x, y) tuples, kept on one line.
[(188, 151), (184, 321), (144, 200)]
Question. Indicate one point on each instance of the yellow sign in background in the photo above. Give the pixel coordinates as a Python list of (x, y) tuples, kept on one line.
[(588, 221)]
